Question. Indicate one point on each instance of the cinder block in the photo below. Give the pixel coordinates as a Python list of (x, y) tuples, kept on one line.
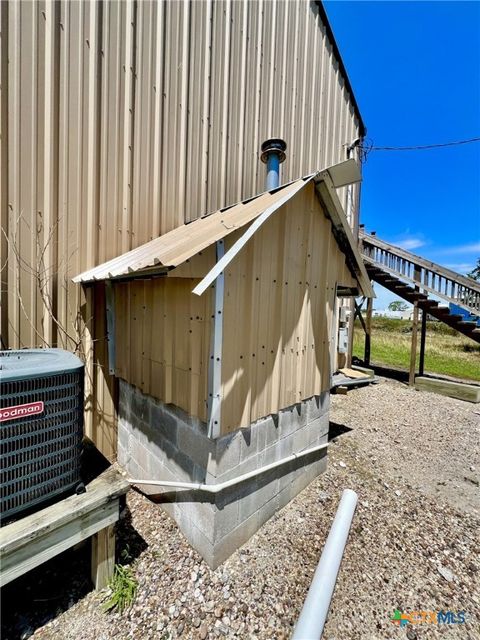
[(141, 455), (271, 454), (226, 456), (317, 467), (162, 442), (123, 434), (179, 415), (261, 427), (291, 419), (300, 439), (267, 511), (286, 446), (255, 493), (132, 468), (288, 472), (318, 431), (202, 514), (244, 467), (314, 408), (122, 455), (158, 471), (224, 547), (271, 430), (180, 465), (202, 544), (163, 423), (248, 443), (125, 392), (197, 445), (226, 514)]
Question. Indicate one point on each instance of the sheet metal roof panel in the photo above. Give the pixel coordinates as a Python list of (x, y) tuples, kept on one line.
[(182, 243)]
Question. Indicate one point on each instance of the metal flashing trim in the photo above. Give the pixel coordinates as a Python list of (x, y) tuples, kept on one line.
[(110, 314), (213, 274), (215, 364), (343, 234)]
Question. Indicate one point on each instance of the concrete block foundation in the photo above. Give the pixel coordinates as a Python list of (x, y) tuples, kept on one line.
[(161, 442)]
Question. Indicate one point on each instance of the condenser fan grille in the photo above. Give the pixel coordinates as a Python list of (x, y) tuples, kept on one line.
[(40, 452)]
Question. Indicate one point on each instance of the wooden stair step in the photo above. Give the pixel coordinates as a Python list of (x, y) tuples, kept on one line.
[(467, 324), (389, 280), (418, 296)]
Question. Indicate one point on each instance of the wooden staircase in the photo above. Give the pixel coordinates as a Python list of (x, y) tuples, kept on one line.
[(417, 281)]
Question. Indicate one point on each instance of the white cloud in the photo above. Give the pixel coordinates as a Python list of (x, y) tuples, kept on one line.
[(460, 267), (473, 247), (410, 243)]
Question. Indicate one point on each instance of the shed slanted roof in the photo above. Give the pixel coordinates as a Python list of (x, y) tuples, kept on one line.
[(177, 246)]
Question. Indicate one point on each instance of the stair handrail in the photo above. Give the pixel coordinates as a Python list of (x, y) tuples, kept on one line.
[(465, 292)]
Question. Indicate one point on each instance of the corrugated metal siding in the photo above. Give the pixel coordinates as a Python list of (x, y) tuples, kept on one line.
[(126, 119), (279, 332), (122, 120), (163, 340)]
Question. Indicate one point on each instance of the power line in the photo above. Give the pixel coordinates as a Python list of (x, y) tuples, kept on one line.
[(424, 146), (367, 148)]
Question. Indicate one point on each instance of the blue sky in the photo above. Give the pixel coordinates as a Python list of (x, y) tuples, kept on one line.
[(415, 71)]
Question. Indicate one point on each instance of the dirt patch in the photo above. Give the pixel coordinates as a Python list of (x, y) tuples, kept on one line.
[(413, 544)]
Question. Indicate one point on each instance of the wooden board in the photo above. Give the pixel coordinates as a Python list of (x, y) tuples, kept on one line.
[(32, 540), (468, 392), (352, 373), (365, 370), (40, 549), (103, 556)]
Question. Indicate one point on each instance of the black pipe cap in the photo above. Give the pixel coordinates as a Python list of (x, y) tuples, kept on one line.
[(274, 145)]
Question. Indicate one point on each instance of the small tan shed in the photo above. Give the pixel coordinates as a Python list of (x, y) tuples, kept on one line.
[(224, 327)]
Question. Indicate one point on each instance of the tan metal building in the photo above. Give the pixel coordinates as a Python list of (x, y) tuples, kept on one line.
[(122, 121)]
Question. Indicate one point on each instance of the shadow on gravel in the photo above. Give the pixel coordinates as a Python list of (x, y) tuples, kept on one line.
[(42, 594), (39, 596), (335, 430)]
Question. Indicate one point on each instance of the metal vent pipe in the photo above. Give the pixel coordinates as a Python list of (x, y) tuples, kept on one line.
[(273, 154)]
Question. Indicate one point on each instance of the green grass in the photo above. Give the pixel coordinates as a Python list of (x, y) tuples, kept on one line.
[(123, 588), (447, 352)]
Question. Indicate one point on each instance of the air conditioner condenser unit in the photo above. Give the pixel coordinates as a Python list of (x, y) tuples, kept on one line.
[(41, 426)]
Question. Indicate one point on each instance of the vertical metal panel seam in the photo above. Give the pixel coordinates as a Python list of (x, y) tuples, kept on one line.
[(128, 122), (4, 156), (157, 122), (182, 177)]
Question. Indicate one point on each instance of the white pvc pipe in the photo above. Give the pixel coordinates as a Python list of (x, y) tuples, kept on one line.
[(216, 488), (317, 603)]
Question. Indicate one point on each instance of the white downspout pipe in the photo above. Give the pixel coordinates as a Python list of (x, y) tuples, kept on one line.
[(317, 603), (221, 486)]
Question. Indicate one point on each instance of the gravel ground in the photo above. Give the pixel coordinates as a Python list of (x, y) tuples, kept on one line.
[(414, 545)]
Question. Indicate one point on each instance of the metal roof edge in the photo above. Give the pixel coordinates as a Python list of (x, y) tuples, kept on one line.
[(326, 191), (343, 69)]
